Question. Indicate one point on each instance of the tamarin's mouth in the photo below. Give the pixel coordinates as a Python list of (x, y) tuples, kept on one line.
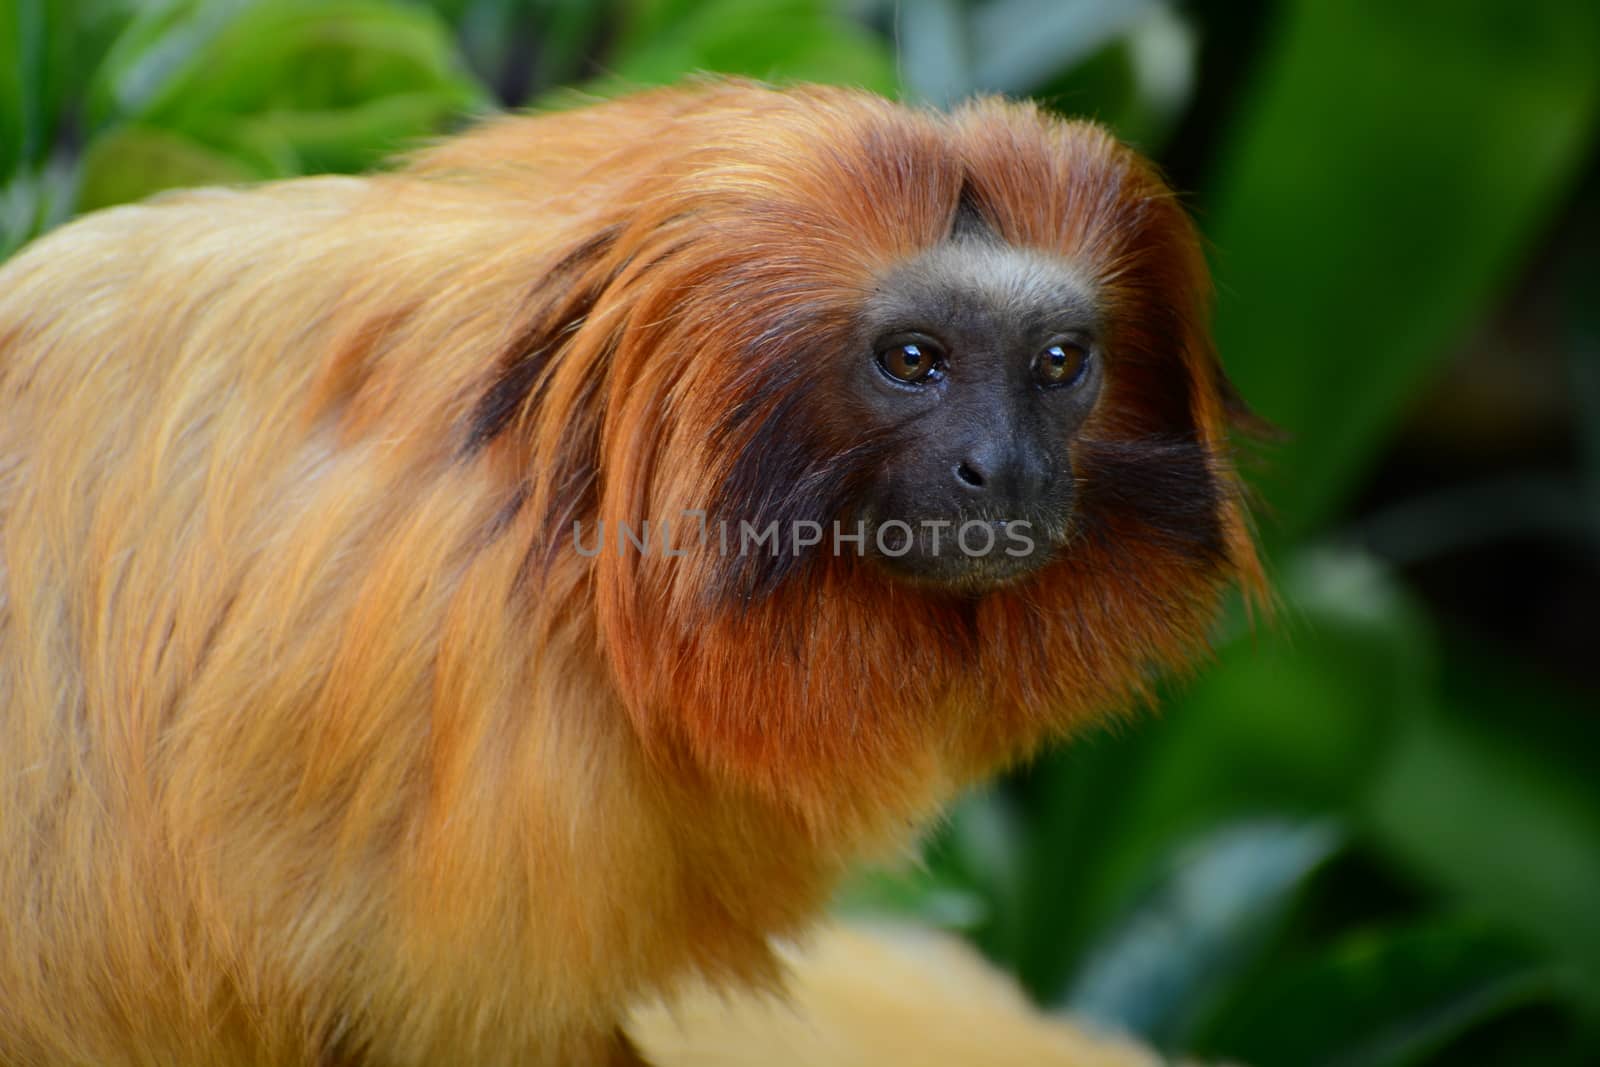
[(969, 554)]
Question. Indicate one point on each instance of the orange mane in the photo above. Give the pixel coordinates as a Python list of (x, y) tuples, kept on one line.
[(716, 288)]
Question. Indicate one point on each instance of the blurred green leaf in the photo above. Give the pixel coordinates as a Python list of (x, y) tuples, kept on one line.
[(305, 57), (920, 895), (1161, 965), (934, 44), (35, 199), (778, 39), (520, 45), (1138, 84), (917, 895), (35, 49), (1021, 44), (258, 90), (1583, 331), (344, 140), (969, 877), (131, 163), (1129, 65), (154, 50), (19, 207), (16, 48), (1381, 999), (1386, 178), (570, 27), (1289, 721), (1468, 806)]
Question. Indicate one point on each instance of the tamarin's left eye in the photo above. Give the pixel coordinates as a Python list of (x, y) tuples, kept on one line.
[(1060, 364)]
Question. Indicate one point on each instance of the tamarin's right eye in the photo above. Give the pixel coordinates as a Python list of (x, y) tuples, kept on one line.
[(912, 362)]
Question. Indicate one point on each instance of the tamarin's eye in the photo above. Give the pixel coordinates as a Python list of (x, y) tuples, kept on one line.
[(1060, 364), (912, 361)]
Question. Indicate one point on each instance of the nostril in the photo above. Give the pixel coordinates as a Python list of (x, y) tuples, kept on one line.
[(967, 473)]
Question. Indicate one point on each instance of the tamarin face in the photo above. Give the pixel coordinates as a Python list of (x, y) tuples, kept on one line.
[(981, 362)]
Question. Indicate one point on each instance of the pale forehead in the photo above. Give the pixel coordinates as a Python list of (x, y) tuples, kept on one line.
[(976, 276)]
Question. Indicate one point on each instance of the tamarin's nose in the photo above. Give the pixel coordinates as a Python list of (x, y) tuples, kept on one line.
[(1006, 473), (972, 474)]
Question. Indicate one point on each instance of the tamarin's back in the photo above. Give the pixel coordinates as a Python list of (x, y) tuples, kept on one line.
[(242, 585)]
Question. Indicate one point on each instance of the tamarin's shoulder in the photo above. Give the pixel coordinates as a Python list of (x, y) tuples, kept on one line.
[(202, 238)]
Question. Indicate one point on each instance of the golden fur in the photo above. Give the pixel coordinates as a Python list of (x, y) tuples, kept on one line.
[(875, 996), (317, 739)]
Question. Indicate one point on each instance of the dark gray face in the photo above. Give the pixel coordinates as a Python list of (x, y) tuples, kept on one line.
[(983, 361)]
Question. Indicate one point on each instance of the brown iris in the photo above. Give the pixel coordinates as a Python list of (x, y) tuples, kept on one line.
[(912, 362), (1061, 363)]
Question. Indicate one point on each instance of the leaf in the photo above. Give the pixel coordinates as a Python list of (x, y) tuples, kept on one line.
[(518, 45), (157, 48), (775, 39), (1391, 168), (918, 896), (34, 200), (316, 57), (934, 44), (1291, 721), (19, 208), (1382, 999), (1154, 971), (34, 60), (16, 112), (1467, 806), (131, 163), (307, 86), (969, 877), (1138, 85), (1129, 66), (1021, 44), (345, 140)]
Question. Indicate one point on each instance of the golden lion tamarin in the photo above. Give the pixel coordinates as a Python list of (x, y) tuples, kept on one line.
[(444, 610)]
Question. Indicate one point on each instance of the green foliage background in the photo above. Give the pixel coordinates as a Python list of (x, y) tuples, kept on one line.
[(1368, 833)]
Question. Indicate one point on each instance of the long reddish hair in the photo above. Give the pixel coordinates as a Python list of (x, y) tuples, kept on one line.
[(682, 360)]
